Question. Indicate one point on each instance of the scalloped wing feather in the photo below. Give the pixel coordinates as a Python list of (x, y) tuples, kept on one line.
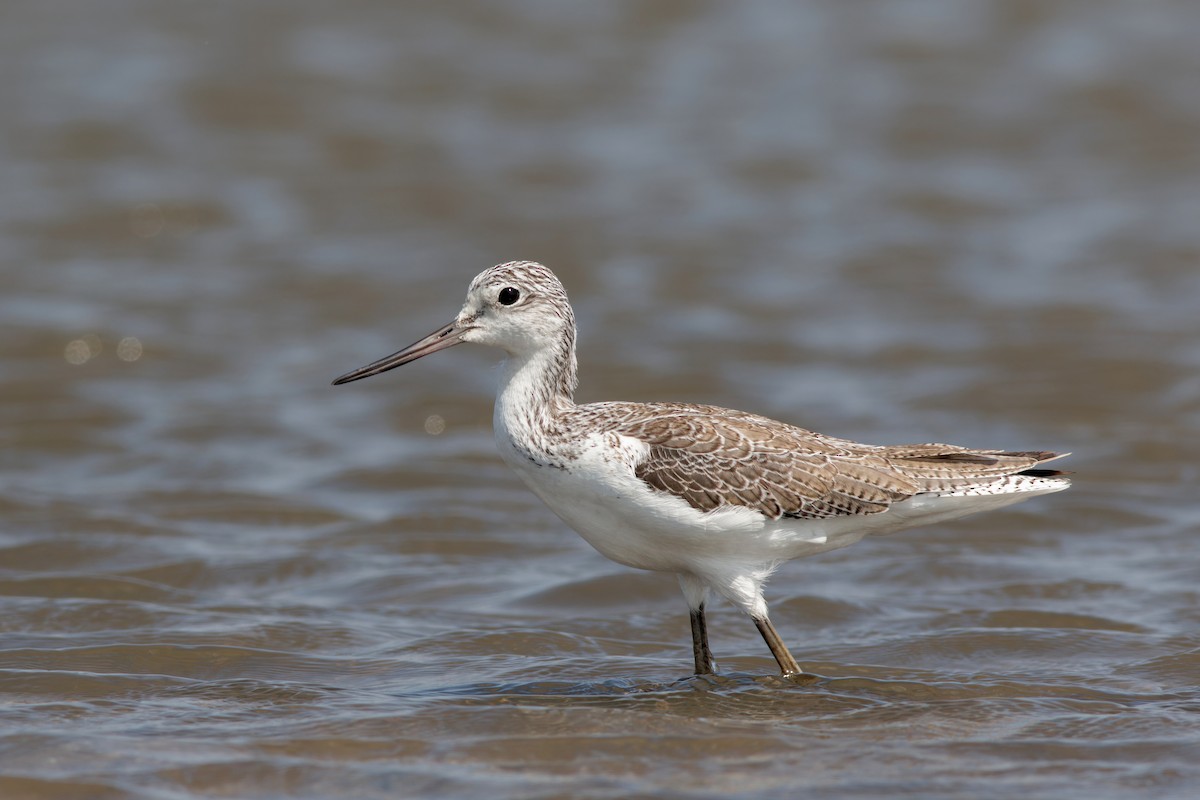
[(713, 457)]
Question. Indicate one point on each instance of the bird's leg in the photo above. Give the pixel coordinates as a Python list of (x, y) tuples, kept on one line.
[(787, 664), (700, 651), (695, 591)]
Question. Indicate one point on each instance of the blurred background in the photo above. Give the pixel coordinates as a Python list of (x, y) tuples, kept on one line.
[(972, 221)]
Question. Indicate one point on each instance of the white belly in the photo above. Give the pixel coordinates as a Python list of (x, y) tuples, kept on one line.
[(617, 513)]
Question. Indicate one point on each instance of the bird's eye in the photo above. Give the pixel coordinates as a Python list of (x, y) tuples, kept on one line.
[(508, 296)]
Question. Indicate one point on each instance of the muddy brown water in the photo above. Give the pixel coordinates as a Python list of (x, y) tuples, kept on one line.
[(893, 221)]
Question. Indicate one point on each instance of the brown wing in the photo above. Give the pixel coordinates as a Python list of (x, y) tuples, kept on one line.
[(713, 457)]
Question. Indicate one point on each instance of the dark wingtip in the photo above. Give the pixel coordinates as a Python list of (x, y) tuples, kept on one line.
[(1045, 473)]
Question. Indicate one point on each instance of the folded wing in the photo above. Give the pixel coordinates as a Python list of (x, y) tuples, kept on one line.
[(713, 457)]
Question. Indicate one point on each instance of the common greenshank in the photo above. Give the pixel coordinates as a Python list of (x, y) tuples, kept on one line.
[(721, 498)]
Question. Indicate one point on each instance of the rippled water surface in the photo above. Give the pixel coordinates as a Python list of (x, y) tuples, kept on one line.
[(912, 220)]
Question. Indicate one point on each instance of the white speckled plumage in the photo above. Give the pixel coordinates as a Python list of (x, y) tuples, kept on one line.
[(721, 498)]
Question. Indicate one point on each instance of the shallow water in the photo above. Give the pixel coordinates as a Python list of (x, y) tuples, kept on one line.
[(892, 221)]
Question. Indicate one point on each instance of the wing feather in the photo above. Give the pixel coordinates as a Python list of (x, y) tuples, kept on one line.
[(713, 457)]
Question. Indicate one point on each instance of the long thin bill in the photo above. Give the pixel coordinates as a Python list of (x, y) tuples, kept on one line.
[(446, 336)]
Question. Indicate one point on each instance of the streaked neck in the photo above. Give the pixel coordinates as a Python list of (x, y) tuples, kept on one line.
[(537, 387)]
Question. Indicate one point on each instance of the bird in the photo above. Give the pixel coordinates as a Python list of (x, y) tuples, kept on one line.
[(720, 498)]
